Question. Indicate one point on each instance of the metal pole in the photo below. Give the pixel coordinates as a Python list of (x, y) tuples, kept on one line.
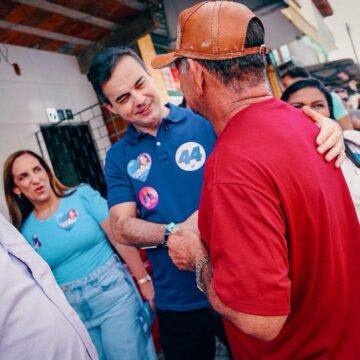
[(352, 42)]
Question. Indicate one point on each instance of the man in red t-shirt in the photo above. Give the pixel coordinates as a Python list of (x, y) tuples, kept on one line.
[(278, 222)]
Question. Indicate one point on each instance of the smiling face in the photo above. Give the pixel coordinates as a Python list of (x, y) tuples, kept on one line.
[(311, 97), (133, 95), (31, 179)]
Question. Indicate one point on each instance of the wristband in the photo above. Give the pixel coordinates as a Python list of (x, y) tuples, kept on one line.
[(169, 229), (144, 279), (198, 268)]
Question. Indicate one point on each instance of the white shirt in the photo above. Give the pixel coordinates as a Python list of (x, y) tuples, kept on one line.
[(351, 172), (36, 321)]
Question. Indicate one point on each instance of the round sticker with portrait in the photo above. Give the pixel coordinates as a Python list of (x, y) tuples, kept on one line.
[(148, 197)]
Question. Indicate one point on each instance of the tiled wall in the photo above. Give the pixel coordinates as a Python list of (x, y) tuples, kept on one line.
[(47, 80)]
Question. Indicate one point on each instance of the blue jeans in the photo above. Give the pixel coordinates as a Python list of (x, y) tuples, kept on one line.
[(109, 304)]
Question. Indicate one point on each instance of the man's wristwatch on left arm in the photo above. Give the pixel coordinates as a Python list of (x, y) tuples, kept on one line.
[(169, 229)]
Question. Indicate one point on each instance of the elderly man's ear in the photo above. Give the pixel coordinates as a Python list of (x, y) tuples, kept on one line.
[(197, 73)]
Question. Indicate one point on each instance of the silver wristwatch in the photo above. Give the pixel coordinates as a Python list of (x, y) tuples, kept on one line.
[(198, 268)]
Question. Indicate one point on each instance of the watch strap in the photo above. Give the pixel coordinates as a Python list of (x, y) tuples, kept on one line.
[(198, 269), (169, 229)]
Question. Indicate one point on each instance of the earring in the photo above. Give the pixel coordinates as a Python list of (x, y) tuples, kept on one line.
[(19, 196)]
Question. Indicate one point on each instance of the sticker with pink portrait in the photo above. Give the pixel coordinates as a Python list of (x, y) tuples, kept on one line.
[(148, 197), (67, 220)]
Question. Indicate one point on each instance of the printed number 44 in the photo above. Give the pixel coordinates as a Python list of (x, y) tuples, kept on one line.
[(186, 157)]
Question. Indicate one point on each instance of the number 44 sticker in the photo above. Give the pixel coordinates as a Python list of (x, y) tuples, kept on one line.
[(190, 156)]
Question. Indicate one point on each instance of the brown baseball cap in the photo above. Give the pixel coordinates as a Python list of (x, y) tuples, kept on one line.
[(212, 30)]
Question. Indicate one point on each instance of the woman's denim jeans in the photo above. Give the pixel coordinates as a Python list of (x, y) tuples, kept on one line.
[(109, 305)]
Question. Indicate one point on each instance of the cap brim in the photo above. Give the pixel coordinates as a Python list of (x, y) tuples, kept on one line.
[(161, 61)]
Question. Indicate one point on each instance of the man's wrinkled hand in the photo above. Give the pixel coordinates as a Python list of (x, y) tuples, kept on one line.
[(330, 138), (191, 223), (186, 249)]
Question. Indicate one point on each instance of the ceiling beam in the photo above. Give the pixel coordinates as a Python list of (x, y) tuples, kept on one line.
[(134, 4), (67, 12), (324, 7), (44, 33), (126, 34)]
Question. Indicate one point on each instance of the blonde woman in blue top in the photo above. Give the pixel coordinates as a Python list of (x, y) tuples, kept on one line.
[(70, 228)]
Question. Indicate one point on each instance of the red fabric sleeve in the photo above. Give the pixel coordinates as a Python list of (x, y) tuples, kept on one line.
[(248, 249)]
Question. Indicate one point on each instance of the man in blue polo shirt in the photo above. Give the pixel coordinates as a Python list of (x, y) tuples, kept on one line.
[(154, 176)]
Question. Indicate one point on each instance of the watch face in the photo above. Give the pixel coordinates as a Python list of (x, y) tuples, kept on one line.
[(171, 228)]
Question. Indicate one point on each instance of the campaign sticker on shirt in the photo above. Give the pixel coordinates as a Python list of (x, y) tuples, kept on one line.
[(190, 156), (36, 241), (67, 220), (139, 169), (148, 197)]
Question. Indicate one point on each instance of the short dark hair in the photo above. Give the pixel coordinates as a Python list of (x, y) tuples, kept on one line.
[(309, 83), (297, 72), (249, 69), (103, 65)]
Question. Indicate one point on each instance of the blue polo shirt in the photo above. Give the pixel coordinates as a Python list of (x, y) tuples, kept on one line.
[(164, 176)]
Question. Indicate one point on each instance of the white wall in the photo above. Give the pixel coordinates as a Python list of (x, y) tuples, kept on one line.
[(278, 29), (47, 79), (302, 54)]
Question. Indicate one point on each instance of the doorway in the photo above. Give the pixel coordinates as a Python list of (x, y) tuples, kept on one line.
[(73, 155)]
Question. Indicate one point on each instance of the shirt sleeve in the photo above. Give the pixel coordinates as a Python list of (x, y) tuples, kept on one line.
[(94, 203), (248, 249), (119, 188), (339, 109)]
